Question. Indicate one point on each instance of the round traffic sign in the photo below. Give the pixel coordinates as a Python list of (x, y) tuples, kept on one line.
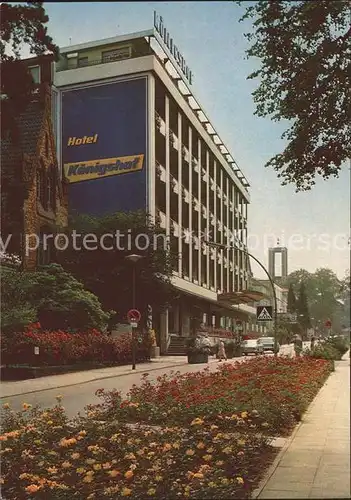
[(134, 316)]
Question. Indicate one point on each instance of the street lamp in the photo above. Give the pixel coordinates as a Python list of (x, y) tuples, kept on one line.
[(234, 247), (134, 259)]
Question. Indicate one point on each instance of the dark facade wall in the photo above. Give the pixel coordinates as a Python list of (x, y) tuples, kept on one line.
[(115, 116)]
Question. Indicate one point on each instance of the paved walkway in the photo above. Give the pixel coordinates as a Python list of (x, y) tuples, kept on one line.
[(316, 464)]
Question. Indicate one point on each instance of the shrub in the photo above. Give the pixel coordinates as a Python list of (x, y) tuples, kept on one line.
[(323, 351), (51, 296), (62, 348), (338, 343)]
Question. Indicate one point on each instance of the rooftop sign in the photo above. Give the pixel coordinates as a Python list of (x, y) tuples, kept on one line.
[(172, 48)]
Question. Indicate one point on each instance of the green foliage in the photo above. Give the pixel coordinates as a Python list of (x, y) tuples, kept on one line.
[(107, 273), (17, 309), (323, 351), (291, 299), (338, 343), (304, 78), (323, 289), (302, 308), (51, 296), (65, 303), (21, 25)]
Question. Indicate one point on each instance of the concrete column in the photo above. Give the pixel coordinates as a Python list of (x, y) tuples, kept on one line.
[(180, 198), (151, 178), (190, 149), (176, 319), (168, 179), (208, 256), (185, 321), (164, 331)]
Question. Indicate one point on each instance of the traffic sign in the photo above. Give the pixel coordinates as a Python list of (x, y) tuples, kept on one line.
[(328, 323), (133, 316), (264, 313), (134, 324)]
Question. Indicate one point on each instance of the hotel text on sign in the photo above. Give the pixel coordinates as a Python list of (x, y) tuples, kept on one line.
[(96, 169)]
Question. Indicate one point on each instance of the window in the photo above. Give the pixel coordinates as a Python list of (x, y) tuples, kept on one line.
[(42, 190), (116, 54), (35, 72), (83, 61), (50, 190), (46, 145), (39, 185)]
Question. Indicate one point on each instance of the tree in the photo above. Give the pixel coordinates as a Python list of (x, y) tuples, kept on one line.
[(323, 289), (302, 309), (20, 26), (345, 295), (304, 49), (51, 296), (107, 273), (291, 306)]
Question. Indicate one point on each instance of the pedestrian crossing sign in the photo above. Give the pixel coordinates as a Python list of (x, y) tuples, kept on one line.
[(264, 313)]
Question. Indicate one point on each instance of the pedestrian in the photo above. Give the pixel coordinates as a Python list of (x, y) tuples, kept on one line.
[(221, 351), (313, 340), (297, 345)]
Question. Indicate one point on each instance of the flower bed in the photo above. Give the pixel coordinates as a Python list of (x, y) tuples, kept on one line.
[(280, 388), (46, 457), (62, 348)]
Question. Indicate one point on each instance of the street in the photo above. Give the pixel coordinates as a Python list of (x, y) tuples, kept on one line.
[(75, 398)]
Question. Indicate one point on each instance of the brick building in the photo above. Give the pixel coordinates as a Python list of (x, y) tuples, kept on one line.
[(33, 199)]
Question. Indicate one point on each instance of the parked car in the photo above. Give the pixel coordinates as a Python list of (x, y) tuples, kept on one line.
[(268, 343), (252, 346)]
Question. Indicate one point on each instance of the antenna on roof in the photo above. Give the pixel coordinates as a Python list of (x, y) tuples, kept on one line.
[(70, 40)]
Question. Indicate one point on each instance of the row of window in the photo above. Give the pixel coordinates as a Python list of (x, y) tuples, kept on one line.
[(108, 56), (181, 131)]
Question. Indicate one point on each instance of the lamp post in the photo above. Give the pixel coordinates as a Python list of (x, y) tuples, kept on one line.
[(133, 258), (245, 252)]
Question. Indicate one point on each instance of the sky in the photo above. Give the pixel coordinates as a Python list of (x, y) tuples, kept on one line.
[(314, 225)]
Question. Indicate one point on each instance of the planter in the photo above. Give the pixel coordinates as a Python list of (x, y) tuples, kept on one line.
[(154, 352), (197, 358)]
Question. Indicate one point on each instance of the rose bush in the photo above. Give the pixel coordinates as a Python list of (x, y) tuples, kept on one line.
[(280, 387), (44, 456), (62, 348)]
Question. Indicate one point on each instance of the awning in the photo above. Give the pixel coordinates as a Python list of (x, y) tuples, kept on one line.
[(217, 305), (242, 297)]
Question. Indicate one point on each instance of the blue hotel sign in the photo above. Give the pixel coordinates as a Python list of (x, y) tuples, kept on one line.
[(173, 49)]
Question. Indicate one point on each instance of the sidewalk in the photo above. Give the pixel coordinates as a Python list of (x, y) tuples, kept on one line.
[(316, 463), (28, 386)]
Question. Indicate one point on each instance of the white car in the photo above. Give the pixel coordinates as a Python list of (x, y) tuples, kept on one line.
[(251, 346), (268, 344)]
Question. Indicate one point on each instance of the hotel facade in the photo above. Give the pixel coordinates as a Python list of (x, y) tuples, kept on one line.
[(132, 136)]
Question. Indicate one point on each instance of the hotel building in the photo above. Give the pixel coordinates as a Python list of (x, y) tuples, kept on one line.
[(128, 99)]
